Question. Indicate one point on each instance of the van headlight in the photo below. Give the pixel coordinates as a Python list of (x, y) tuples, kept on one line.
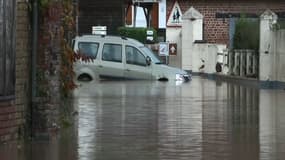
[(182, 77), (179, 77)]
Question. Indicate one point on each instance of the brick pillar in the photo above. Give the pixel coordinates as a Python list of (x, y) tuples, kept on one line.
[(45, 116)]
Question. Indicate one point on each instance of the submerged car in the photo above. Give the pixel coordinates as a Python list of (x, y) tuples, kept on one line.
[(120, 58)]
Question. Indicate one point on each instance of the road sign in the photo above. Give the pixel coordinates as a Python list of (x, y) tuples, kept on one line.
[(173, 49), (163, 49)]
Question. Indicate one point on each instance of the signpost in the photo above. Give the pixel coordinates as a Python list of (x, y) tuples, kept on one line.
[(149, 36), (164, 50)]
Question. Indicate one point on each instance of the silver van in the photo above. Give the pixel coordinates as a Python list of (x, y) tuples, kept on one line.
[(120, 58)]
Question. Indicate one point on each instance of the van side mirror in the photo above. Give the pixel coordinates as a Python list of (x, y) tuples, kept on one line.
[(148, 60)]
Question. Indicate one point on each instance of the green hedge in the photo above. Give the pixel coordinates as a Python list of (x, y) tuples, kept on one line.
[(137, 33), (246, 34)]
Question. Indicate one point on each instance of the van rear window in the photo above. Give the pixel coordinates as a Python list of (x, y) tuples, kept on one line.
[(89, 49)]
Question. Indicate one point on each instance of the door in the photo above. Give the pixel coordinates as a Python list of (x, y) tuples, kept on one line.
[(136, 66), (88, 63), (111, 64)]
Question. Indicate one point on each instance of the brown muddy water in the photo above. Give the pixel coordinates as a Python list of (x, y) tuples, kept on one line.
[(146, 120)]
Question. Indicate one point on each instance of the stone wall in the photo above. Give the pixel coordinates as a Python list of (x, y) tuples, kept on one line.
[(216, 30)]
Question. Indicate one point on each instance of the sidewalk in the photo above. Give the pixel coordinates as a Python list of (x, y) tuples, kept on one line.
[(253, 82)]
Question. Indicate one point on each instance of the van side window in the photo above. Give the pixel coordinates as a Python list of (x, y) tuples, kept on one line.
[(89, 49), (134, 56), (112, 52)]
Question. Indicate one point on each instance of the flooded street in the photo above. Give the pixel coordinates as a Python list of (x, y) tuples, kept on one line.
[(149, 120)]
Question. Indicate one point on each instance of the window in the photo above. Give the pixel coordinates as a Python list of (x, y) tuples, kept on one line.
[(89, 49), (134, 56), (7, 48), (112, 52)]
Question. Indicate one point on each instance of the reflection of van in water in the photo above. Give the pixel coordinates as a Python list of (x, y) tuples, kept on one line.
[(121, 58)]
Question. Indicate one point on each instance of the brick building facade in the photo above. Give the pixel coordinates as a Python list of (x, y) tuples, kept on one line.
[(20, 114), (217, 14), (13, 104)]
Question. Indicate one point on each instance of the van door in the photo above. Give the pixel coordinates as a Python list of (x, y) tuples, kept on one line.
[(136, 66), (111, 64)]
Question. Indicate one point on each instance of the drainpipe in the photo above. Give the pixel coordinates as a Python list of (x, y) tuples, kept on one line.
[(34, 47), (34, 60)]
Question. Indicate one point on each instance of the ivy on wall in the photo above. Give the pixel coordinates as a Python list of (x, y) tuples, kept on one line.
[(55, 75), (68, 57), (57, 27)]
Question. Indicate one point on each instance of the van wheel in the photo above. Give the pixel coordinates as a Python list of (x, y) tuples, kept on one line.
[(84, 77)]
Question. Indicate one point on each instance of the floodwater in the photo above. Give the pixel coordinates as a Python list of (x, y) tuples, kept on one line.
[(147, 120)]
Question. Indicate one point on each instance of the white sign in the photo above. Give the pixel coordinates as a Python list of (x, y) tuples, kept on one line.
[(175, 17), (149, 38), (99, 30), (149, 32), (163, 49)]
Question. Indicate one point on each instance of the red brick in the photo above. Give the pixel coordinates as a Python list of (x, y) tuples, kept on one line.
[(8, 109), (5, 131), (8, 123), (6, 103)]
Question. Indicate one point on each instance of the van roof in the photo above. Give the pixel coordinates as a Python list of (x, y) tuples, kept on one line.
[(108, 38)]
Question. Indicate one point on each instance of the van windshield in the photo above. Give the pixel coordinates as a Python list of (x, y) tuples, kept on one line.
[(154, 57)]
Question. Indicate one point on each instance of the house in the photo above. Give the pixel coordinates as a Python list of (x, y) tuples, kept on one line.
[(219, 15)]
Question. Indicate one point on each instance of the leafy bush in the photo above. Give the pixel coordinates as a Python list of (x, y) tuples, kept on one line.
[(246, 34), (137, 33)]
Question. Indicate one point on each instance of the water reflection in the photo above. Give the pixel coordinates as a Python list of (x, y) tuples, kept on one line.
[(272, 124), (202, 119), (230, 124), (63, 146)]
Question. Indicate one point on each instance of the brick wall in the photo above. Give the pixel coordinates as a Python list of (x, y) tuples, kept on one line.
[(9, 120), (23, 54), (13, 109), (216, 30)]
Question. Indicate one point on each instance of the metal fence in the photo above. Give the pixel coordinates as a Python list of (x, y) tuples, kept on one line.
[(7, 47)]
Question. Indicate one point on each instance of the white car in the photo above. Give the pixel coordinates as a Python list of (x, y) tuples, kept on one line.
[(120, 58)]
